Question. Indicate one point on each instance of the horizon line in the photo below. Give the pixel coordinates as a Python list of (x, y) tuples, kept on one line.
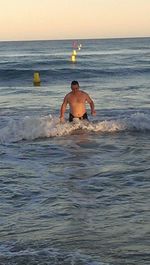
[(71, 39)]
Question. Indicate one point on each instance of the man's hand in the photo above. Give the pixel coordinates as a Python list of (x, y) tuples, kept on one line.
[(93, 113), (62, 120)]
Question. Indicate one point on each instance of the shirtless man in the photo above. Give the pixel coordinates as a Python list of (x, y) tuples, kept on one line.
[(76, 100)]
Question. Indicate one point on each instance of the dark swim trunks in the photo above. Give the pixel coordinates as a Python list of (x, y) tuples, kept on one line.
[(84, 117)]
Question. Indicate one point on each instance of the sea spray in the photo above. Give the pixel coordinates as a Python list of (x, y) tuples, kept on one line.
[(30, 128)]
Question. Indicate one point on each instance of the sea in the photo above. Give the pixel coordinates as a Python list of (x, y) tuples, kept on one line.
[(75, 193)]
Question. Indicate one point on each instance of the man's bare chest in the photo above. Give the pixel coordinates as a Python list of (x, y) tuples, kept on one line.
[(76, 99)]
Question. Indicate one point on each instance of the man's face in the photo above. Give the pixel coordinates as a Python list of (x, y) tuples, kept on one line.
[(74, 88)]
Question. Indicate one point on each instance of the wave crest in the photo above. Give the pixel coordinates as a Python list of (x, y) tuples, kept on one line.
[(30, 128)]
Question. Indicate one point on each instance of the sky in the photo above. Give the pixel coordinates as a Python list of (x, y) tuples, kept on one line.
[(73, 19)]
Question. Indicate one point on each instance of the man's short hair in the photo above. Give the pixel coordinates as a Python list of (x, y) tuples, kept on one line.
[(74, 83)]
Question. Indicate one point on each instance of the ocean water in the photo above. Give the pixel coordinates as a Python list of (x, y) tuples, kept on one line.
[(75, 193)]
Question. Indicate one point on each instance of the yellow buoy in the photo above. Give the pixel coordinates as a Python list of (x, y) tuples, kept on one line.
[(74, 52), (36, 79), (73, 58)]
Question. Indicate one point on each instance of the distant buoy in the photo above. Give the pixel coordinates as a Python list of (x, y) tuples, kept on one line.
[(79, 47), (73, 58), (74, 52), (36, 79), (75, 44)]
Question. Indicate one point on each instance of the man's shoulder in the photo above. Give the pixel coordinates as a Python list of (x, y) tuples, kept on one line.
[(84, 93), (67, 95)]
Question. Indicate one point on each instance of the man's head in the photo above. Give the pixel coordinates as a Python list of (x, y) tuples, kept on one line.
[(74, 83), (74, 86)]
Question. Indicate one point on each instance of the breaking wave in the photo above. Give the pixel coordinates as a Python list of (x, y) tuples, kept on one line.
[(31, 128)]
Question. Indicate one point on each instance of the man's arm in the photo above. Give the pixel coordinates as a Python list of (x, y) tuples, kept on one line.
[(91, 103), (63, 109)]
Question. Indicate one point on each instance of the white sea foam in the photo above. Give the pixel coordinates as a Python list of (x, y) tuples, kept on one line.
[(30, 128)]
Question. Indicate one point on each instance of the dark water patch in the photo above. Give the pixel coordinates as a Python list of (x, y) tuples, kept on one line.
[(43, 255)]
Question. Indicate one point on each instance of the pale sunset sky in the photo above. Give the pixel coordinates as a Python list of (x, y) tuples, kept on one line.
[(73, 19)]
